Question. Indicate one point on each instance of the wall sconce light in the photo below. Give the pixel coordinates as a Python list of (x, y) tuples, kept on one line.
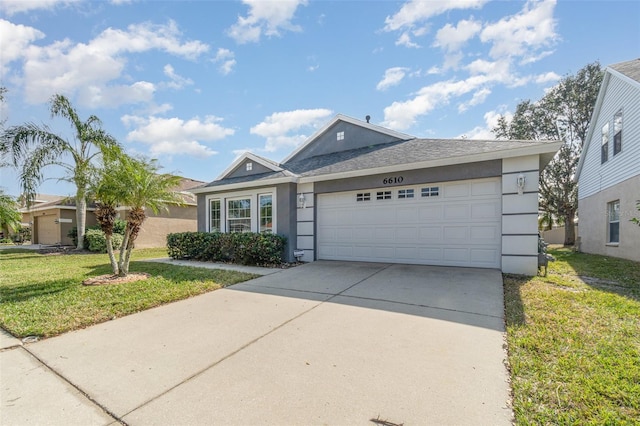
[(520, 182), (302, 201)]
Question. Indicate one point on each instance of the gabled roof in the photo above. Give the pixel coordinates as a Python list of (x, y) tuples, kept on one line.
[(416, 154), (253, 157), (349, 120), (391, 157), (629, 72)]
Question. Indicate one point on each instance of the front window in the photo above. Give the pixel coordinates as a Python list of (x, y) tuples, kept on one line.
[(614, 222), (266, 213), (617, 132), (214, 214), (604, 154), (239, 215)]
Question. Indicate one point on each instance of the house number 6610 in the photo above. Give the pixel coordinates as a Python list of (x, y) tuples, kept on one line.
[(392, 180)]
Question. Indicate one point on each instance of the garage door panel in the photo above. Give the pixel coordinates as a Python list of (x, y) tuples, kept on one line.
[(462, 228)]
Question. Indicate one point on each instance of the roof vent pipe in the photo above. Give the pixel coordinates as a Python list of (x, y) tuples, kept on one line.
[(368, 117)]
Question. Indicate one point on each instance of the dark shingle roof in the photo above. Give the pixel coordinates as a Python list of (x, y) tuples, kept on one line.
[(630, 68), (250, 178), (399, 153)]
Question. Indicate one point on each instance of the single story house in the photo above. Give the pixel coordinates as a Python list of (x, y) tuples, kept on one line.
[(360, 192), (52, 217), (609, 169)]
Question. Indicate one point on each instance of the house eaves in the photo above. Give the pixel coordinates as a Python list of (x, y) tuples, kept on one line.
[(233, 184), (546, 150)]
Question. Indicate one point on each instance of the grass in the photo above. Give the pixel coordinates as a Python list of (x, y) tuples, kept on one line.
[(574, 341), (43, 295)]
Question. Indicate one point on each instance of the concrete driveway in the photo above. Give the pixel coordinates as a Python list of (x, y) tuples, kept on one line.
[(323, 343)]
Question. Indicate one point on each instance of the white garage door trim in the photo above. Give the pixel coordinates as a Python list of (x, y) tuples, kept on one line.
[(451, 224)]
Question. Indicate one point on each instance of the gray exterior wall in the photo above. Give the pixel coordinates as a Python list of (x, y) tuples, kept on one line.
[(354, 137), (285, 215), (413, 177), (241, 170)]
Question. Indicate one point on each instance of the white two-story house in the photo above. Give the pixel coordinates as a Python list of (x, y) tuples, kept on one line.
[(609, 169)]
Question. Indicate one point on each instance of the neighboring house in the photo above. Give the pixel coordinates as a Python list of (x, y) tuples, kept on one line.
[(51, 217), (183, 218), (609, 170), (52, 220), (359, 192)]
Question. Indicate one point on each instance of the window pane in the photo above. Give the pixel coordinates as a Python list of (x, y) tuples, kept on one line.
[(614, 232), (266, 213), (614, 221), (214, 214), (239, 215), (604, 154), (617, 132)]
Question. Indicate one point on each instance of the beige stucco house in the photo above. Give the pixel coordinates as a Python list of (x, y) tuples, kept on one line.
[(52, 217), (609, 170)]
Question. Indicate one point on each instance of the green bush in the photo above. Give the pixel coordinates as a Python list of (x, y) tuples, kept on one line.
[(119, 227), (97, 242), (243, 248)]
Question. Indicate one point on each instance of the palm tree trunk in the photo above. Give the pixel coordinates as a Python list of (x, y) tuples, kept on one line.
[(112, 255), (81, 217)]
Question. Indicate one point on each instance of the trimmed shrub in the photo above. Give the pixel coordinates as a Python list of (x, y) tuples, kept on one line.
[(243, 248), (97, 242), (119, 227)]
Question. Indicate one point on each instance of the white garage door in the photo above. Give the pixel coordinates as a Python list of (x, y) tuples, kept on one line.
[(454, 224)]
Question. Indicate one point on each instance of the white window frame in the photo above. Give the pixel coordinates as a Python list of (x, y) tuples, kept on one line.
[(260, 196), (251, 209), (254, 195), (617, 130), (209, 227), (340, 136), (611, 219), (604, 143)]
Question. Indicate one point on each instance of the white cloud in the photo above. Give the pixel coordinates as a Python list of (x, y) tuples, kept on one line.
[(15, 40), (415, 12), (452, 38), (177, 81), (478, 97), (524, 33), (547, 78), (265, 17), (11, 7), (176, 136), (392, 77), (226, 59), (283, 129), (90, 70), (491, 121)]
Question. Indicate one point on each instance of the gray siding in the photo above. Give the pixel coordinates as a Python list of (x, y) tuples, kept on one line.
[(354, 137), (595, 176), (412, 177), (286, 217), (241, 170), (202, 213)]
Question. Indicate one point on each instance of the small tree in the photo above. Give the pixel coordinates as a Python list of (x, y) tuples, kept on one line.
[(562, 114), (635, 219)]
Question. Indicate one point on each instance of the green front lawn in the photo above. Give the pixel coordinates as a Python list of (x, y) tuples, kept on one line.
[(43, 295), (574, 341)]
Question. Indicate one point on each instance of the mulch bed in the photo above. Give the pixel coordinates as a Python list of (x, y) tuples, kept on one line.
[(111, 279)]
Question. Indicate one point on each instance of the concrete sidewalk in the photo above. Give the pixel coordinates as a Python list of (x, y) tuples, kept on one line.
[(322, 343)]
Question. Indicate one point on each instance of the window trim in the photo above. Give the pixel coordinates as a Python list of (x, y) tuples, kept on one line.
[(228, 219), (610, 221), (254, 195), (617, 133), (604, 143), (260, 196), (210, 201)]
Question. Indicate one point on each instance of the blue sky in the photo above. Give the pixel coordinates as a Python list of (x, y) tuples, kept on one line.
[(194, 84)]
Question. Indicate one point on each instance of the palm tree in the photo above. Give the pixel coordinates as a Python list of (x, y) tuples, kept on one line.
[(139, 186), (31, 148), (10, 217)]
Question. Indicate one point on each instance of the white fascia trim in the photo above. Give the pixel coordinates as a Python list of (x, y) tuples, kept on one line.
[(252, 157), (592, 122), (39, 209), (547, 148), (350, 120), (244, 185)]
